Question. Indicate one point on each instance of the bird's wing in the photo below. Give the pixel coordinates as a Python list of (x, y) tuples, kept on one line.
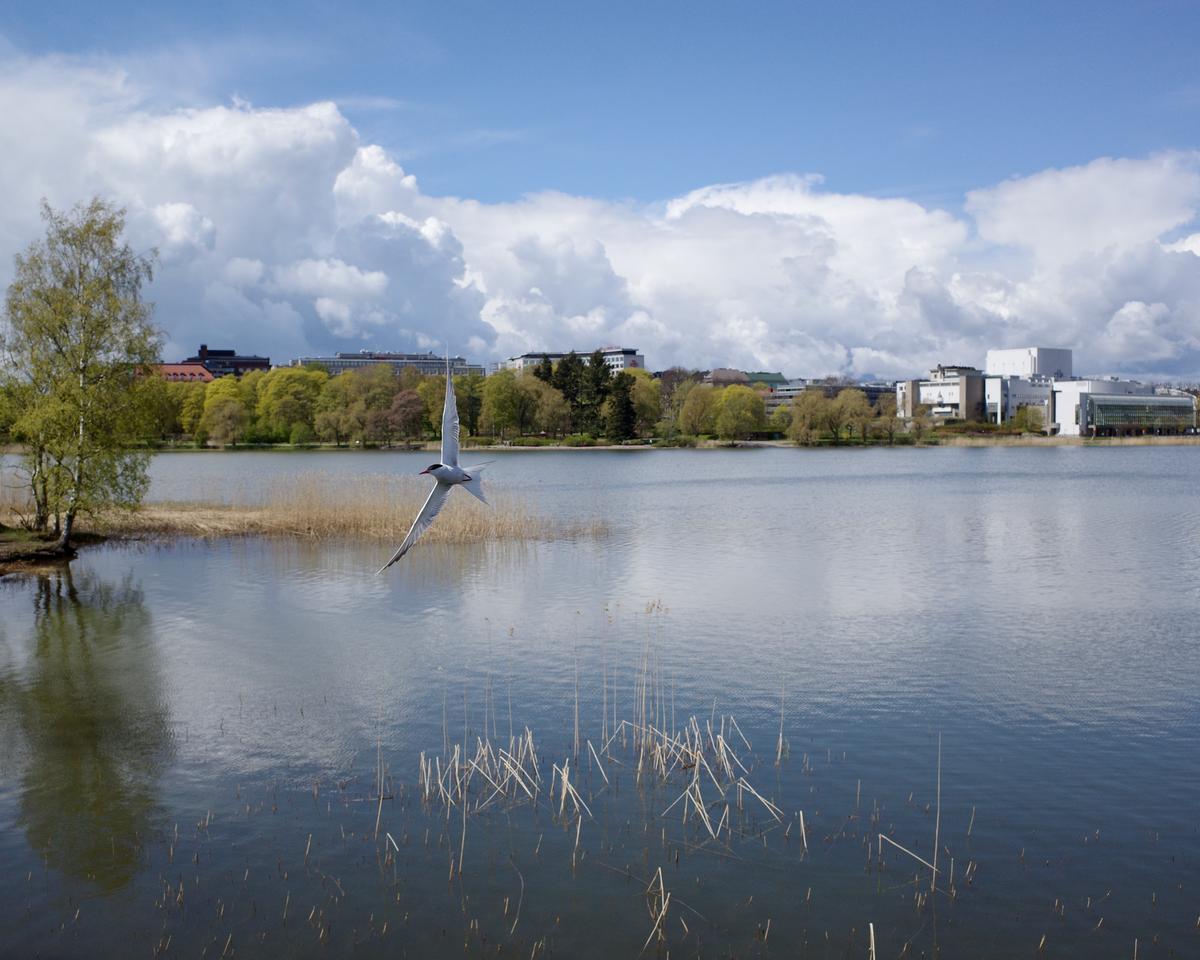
[(450, 423), (433, 504)]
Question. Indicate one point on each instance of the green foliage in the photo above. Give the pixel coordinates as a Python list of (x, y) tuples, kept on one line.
[(301, 435), (646, 393), (698, 414), (225, 416), (81, 349), (1028, 419), (808, 416), (781, 420), (284, 397), (851, 408), (740, 412), (886, 420)]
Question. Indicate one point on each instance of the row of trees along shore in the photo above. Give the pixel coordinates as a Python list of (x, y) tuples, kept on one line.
[(571, 401)]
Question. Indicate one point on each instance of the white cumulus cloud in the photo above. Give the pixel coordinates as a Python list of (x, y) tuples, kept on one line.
[(281, 232)]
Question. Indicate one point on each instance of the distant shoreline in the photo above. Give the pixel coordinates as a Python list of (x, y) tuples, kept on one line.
[(432, 446), (953, 440)]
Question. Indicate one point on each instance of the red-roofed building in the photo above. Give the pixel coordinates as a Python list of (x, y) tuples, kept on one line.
[(185, 372)]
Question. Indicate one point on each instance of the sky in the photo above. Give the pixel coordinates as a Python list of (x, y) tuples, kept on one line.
[(864, 189)]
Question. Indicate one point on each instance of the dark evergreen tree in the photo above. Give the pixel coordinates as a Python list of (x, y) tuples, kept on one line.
[(596, 383), (568, 378), (622, 417), (544, 370)]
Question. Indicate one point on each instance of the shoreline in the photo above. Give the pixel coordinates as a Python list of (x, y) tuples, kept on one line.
[(954, 440)]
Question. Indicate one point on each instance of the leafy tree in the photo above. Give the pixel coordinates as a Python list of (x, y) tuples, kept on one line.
[(698, 414), (836, 416), (375, 385), (886, 418), (1028, 419), (920, 423), (191, 407), (621, 422), (740, 412), (671, 380), (285, 397), (501, 402), (646, 393), (225, 415), (407, 413), (808, 416), (469, 393), (432, 391), (550, 411), (80, 345), (302, 435), (408, 378), (164, 400), (781, 419), (331, 418), (854, 410)]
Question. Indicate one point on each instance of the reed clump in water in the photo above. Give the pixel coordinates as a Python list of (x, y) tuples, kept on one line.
[(320, 506)]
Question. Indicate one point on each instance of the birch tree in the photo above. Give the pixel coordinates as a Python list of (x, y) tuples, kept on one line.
[(79, 345)]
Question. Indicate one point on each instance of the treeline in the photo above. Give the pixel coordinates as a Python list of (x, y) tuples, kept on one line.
[(573, 401), (816, 417), (376, 405)]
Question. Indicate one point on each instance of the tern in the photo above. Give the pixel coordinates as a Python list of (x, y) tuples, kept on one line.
[(446, 475)]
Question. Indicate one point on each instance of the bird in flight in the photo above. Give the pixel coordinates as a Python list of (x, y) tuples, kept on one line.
[(446, 475)]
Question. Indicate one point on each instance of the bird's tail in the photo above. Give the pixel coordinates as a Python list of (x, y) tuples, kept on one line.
[(474, 486)]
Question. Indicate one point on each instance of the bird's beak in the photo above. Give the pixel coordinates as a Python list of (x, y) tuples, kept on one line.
[(426, 470)]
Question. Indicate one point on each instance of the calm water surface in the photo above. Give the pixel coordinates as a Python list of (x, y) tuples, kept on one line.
[(176, 721)]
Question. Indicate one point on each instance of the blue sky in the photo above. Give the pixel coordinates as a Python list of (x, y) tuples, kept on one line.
[(852, 188), (648, 100)]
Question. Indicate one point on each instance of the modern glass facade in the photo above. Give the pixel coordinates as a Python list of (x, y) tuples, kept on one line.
[(1124, 414)]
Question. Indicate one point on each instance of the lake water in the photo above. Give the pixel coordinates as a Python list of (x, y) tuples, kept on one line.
[(190, 733)]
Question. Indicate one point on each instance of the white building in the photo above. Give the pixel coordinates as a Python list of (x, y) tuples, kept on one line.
[(1029, 362), (1091, 407), (1041, 377), (1004, 396), (615, 358)]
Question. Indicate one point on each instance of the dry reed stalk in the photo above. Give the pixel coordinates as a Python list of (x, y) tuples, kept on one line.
[(937, 823), (882, 837), (318, 506)]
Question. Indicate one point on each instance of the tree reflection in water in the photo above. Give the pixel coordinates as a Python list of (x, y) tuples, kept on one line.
[(90, 712)]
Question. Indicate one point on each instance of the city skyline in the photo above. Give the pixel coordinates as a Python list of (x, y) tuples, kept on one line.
[(865, 193)]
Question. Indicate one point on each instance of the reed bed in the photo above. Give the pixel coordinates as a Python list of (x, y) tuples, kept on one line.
[(316, 506)]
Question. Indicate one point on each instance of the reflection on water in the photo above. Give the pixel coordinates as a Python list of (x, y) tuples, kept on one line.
[(85, 716)]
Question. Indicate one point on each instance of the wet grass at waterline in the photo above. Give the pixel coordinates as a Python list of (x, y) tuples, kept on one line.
[(318, 506)]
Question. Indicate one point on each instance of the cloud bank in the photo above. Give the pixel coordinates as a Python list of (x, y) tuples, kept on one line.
[(280, 232)]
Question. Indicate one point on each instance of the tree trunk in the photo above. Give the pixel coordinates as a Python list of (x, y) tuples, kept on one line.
[(64, 539)]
